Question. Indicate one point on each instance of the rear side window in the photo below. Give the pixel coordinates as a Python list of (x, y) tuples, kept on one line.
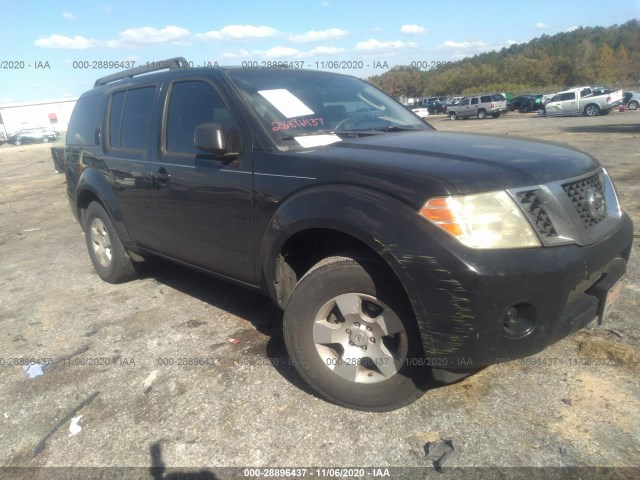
[(474, 101), (130, 115), (82, 126), (485, 99)]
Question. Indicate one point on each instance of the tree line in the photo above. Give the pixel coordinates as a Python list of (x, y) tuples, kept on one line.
[(607, 56)]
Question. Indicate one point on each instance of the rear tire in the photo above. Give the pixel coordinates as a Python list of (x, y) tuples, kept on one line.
[(17, 143), (495, 115), (45, 139), (108, 255), (482, 114), (352, 335), (591, 110), (633, 105)]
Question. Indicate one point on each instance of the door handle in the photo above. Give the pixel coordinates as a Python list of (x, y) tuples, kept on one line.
[(161, 177)]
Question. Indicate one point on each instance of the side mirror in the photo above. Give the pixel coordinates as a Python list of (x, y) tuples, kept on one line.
[(218, 138)]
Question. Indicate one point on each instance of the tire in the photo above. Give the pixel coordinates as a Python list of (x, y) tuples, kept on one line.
[(17, 143), (524, 109), (325, 324), (591, 110), (633, 105), (45, 139), (108, 255), (482, 114), (605, 112), (495, 115), (453, 116)]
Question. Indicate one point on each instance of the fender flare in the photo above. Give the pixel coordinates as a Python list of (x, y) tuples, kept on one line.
[(92, 180)]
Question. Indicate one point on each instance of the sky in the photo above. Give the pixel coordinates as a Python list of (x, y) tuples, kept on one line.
[(58, 49)]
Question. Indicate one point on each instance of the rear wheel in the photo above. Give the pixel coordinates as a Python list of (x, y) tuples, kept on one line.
[(108, 255), (453, 116), (45, 139), (482, 114), (17, 143), (352, 336), (591, 110), (495, 115), (633, 105)]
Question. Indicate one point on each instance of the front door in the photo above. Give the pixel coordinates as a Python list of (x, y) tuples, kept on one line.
[(203, 206)]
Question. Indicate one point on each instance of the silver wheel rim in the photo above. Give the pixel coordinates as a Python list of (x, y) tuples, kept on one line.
[(360, 338), (591, 111), (100, 242), (633, 106)]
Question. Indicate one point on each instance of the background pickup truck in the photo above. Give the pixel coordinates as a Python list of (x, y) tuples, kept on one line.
[(583, 100)]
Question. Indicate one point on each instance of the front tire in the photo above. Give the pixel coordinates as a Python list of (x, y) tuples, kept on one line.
[(108, 255), (352, 336), (633, 105), (17, 143), (45, 139), (453, 116)]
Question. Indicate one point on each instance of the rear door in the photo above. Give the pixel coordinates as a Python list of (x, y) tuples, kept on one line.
[(202, 206)]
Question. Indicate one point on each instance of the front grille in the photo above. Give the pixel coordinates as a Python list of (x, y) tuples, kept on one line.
[(587, 197), (534, 208)]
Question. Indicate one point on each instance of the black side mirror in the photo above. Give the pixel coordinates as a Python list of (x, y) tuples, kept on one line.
[(218, 138)]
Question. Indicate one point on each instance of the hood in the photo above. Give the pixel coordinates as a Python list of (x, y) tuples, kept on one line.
[(469, 163)]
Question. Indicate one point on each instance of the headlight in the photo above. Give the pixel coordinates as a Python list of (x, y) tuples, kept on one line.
[(486, 220)]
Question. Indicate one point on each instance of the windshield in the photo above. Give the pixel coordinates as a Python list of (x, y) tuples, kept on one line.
[(303, 108)]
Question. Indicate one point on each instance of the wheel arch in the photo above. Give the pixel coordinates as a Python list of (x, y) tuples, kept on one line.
[(92, 186), (315, 225)]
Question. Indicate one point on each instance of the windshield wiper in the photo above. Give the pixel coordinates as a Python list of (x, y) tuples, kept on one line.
[(395, 128)]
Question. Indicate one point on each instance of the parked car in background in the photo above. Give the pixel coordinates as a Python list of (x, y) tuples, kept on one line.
[(435, 105), (422, 112), (500, 102), (525, 103), (477, 106), (33, 135), (583, 100), (631, 100)]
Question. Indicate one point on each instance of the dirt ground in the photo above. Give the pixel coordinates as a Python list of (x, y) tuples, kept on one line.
[(180, 370)]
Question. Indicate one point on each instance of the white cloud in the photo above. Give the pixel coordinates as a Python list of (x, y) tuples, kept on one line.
[(150, 35), (376, 47), (279, 52), (325, 4), (541, 26), (282, 53), (69, 16), (572, 28), (459, 50), (319, 36), (60, 41), (239, 32), (325, 51), (476, 44), (413, 30)]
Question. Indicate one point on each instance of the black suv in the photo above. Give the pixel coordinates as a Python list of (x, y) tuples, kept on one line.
[(394, 250)]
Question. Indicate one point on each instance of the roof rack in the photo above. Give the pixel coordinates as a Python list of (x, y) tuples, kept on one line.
[(171, 64)]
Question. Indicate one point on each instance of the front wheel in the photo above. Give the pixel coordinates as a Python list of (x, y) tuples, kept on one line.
[(633, 105), (352, 336), (45, 139), (591, 110), (482, 114), (17, 143), (108, 255), (453, 116)]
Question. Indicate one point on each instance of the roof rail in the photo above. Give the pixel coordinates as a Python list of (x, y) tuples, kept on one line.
[(171, 63)]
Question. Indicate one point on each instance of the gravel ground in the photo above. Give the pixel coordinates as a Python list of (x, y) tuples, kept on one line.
[(123, 360)]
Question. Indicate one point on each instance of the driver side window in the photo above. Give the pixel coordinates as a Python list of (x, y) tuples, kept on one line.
[(192, 103)]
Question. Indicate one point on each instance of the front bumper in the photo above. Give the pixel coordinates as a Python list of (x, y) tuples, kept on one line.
[(461, 296)]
